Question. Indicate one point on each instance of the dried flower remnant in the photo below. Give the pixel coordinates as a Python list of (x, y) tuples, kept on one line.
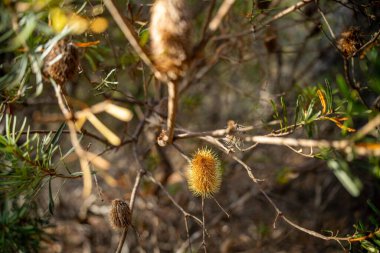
[(204, 173), (120, 214), (61, 63), (349, 41)]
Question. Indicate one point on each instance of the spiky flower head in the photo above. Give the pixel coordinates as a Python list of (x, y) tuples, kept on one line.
[(204, 173), (120, 214)]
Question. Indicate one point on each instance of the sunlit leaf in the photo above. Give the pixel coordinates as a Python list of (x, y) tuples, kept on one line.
[(58, 19), (87, 44), (77, 24), (338, 123), (322, 100), (119, 112), (105, 131), (341, 170), (99, 25)]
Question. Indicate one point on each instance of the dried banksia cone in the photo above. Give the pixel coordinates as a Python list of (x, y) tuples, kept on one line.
[(61, 63), (349, 41), (120, 214), (170, 36), (204, 173)]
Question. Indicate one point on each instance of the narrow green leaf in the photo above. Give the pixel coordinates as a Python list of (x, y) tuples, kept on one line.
[(341, 170), (51, 200), (54, 141)]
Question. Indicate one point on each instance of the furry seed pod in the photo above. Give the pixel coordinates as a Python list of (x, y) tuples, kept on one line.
[(204, 173), (120, 214), (170, 36), (349, 41), (61, 63)]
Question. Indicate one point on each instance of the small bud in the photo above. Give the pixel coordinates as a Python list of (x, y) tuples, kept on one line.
[(204, 174), (120, 214)]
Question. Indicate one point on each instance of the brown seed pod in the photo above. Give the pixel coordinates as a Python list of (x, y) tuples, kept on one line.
[(61, 63), (349, 41), (120, 214), (170, 36)]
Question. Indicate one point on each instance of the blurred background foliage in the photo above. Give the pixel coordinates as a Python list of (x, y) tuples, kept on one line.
[(288, 78)]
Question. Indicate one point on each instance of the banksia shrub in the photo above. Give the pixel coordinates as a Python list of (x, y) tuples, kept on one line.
[(61, 63), (204, 173), (120, 214)]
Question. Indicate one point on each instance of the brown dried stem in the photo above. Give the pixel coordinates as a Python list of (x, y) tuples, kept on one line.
[(172, 109), (264, 25), (279, 213)]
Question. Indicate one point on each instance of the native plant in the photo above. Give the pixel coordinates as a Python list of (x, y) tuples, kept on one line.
[(155, 111)]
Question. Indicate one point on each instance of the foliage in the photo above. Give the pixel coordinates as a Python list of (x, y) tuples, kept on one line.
[(284, 95), (20, 228)]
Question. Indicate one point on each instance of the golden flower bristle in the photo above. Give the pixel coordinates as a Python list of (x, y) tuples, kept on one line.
[(120, 214), (204, 173)]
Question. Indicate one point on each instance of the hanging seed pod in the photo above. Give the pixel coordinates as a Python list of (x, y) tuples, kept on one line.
[(170, 36), (120, 214), (61, 63), (204, 174)]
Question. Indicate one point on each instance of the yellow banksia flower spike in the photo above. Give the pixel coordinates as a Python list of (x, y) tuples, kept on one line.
[(204, 173)]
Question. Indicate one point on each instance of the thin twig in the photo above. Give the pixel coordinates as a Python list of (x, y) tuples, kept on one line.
[(207, 22), (223, 10), (172, 109), (279, 15), (369, 43), (327, 24), (204, 226), (127, 28), (347, 146)]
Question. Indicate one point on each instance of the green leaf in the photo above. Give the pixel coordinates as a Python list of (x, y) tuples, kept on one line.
[(369, 246), (23, 36), (341, 170), (57, 136), (51, 200), (144, 37)]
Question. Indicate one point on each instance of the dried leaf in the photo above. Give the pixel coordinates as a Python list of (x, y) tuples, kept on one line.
[(323, 101), (97, 161), (338, 123), (119, 112), (87, 182), (369, 146), (107, 133), (87, 44)]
